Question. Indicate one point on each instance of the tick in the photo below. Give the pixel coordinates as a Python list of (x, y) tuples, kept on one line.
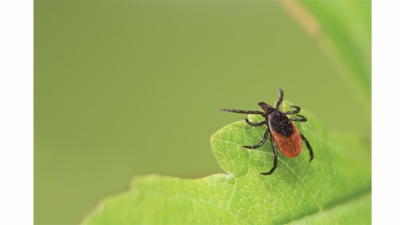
[(280, 128)]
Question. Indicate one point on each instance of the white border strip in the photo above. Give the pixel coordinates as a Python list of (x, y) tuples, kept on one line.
[(16, 112)]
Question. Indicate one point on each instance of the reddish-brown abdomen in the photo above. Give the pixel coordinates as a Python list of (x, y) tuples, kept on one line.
[(289, 146)]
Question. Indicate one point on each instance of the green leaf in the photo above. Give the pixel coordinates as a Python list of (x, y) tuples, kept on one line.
[(342, 29), (335, 187)]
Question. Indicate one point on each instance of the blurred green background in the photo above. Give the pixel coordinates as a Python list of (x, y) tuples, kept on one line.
[(124, 88)]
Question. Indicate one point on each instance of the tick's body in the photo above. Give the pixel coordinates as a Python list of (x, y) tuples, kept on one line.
[(280, 128), (285, 134)]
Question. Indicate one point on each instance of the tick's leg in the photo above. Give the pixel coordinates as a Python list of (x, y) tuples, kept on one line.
[(297, 110), (261, 142), (308, 146), (243, 111), (275, 159), (280, 99), (299, 118), (255, 124)]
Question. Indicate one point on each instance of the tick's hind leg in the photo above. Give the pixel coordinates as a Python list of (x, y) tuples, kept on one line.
[(275, 159), (261, 142), (308, 146)]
